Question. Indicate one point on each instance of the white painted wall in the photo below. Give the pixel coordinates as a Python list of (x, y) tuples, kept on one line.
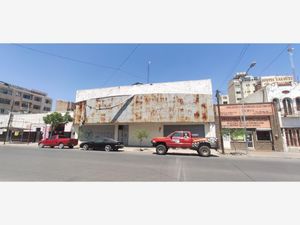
[(153, 130)]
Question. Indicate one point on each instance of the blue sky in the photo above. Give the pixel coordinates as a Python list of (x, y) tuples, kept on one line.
[(44, 67)]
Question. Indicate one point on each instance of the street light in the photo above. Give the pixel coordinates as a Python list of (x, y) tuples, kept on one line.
[(240, 76)]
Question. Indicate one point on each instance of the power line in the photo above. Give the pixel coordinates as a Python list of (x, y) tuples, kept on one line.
[(122, 64), (239, 59), (73, 59), (274, 59)]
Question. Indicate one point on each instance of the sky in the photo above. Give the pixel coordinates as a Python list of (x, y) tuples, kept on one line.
[(61, 69)]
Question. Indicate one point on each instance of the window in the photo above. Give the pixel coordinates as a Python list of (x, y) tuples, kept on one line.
[(48, 101), (263, 135), (239, 99), (287, 106), (298, 103), (27, 96), (37, 107), (5, 91), (225, 103), (18, 93), (5, 101), (37, 99), (47, 109), (177, 135), (277, 104), (238, 92), (25, 104), (2, 111), (17, 103)]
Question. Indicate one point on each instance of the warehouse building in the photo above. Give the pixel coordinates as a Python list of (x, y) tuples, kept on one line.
[(160, 108)]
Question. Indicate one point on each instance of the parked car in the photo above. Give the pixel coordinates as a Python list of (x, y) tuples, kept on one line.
[(186, 140), (107, 144), (58, 140)]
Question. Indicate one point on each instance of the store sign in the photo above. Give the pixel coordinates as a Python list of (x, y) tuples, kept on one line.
[(247, 109), (279, 80), (259, 122)]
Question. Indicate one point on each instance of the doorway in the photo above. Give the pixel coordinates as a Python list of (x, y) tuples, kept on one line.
[(123, 134), (250, 139)]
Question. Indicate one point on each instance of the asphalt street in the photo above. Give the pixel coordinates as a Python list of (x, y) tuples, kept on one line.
[(32, 164)]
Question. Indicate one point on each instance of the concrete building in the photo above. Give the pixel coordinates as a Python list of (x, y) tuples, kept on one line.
[(30, 127), (287, 101), (235, 86), (251, 84), (64, 106), (224, 99), (261, 122), (161, 108), (23, 100)]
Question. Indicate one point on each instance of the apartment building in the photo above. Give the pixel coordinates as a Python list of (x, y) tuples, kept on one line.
[(235, 87), (18, 99), (251, 84)]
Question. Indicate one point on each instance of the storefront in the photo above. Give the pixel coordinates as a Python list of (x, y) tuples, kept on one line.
[(251, 126)]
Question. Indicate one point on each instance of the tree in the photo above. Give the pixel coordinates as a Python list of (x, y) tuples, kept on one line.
[(141, 135), (55, 119)]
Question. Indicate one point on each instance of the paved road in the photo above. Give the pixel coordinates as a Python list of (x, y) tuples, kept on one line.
[(32, 164)]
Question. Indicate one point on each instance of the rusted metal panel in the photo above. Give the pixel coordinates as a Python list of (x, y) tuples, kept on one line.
[(146, 108)]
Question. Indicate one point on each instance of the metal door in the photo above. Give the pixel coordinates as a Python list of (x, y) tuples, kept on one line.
[(123, 134)]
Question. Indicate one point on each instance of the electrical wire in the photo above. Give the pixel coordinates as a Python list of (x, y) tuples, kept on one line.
[(121, 65), (239, 59), (275, 59), (74, 60)]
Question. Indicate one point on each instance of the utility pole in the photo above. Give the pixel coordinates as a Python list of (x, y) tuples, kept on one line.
[(9, 122), (290, 51), (219, 120), (148, 72)]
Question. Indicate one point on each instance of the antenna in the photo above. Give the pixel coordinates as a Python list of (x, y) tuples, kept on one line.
[(148, 72), (290, 51)]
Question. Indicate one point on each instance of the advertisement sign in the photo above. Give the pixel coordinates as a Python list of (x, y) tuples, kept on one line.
[(258, 122), (280, 80), (249, 110)]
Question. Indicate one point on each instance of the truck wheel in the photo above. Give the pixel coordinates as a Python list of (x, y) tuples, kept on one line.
[(61, 146), (161, 150), (107, 148), (41, 145), (204, 151)]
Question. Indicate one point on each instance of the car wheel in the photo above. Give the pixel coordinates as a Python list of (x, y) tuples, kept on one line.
[(85, 147), (61, 146), (107, 148), (204, 151), (161, 150), (71, 146), (41, 145)]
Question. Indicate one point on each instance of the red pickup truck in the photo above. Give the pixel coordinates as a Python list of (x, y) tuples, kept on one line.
[(58, 140), (184, 139)]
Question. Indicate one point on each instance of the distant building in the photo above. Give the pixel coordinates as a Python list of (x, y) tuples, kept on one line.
[(251, 84), (64, 106), (224, 99), (19, 99), (159, 108), (235, 87)]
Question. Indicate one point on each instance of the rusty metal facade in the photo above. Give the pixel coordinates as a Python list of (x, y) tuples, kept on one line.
[(190, 108)]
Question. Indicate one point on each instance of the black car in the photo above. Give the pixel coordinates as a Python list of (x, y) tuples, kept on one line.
[(107, 144)]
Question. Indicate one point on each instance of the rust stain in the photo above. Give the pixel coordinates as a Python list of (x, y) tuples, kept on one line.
[(196, 115), (204, 106)]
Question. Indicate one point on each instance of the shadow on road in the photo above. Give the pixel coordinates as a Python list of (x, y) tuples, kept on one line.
[(188, 154)]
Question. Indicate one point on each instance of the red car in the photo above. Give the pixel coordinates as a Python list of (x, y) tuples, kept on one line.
[(58, 140), (185, 140)]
